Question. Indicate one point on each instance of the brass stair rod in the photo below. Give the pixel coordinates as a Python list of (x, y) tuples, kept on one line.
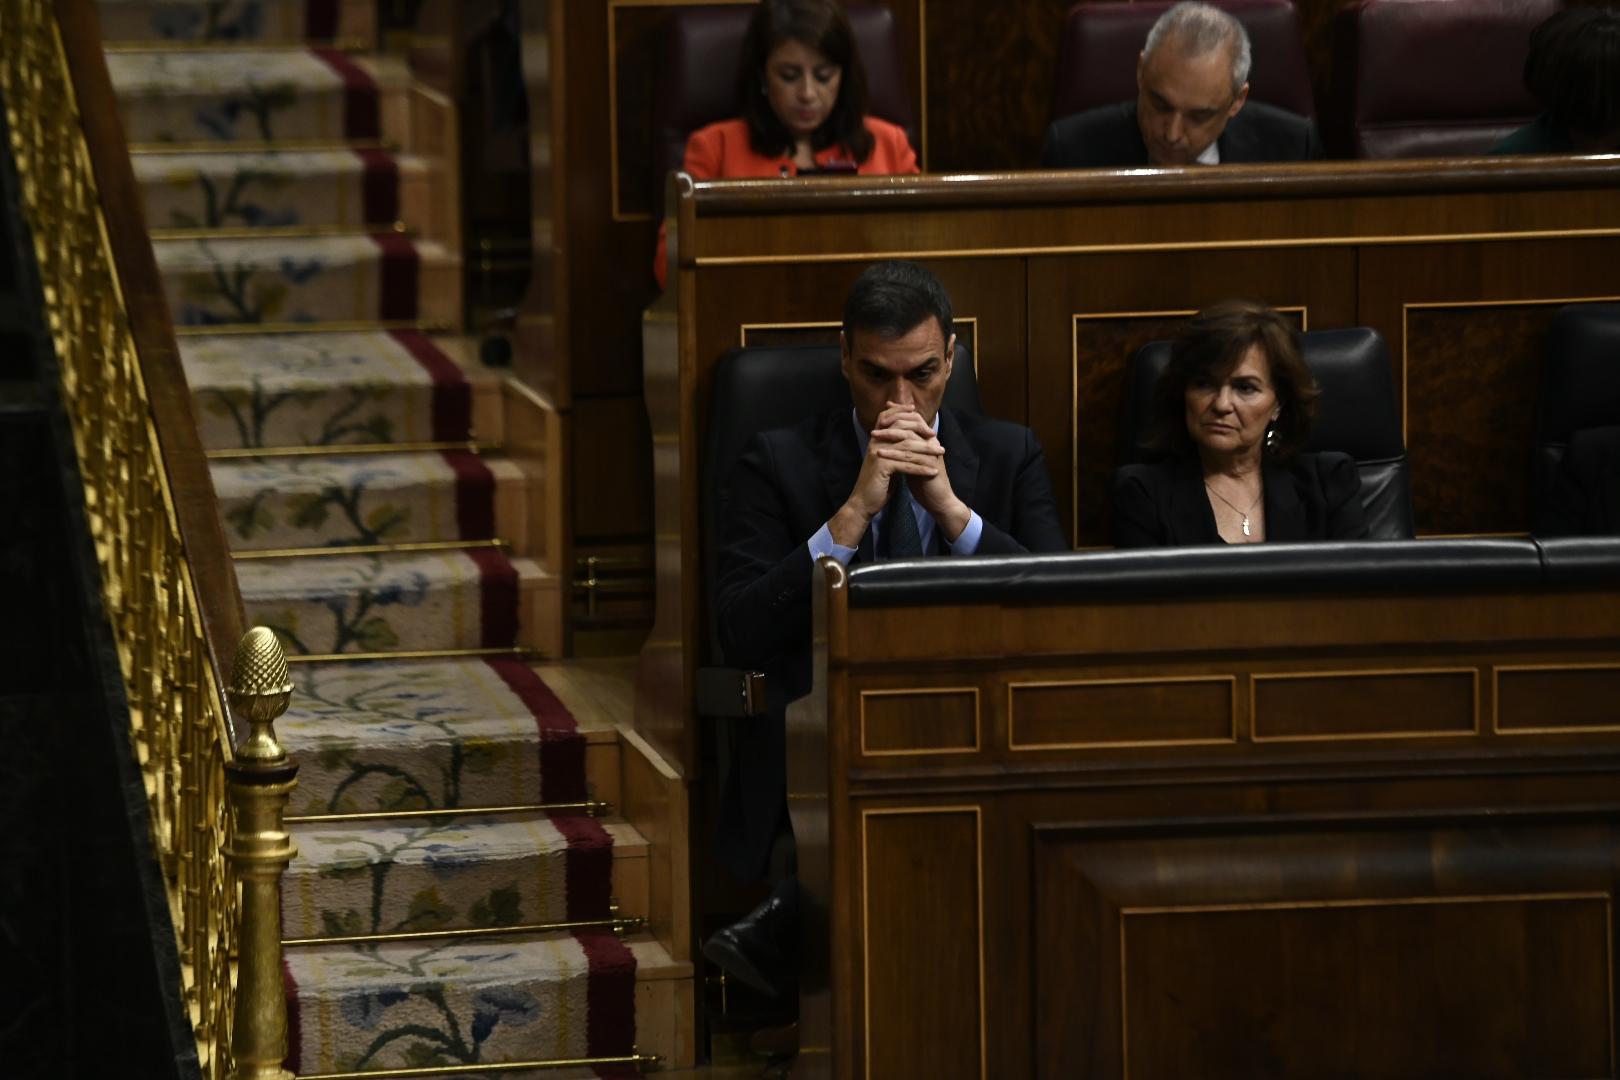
[(260, 781)]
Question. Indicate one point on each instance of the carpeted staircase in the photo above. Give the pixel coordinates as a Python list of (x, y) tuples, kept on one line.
[(273, 152)]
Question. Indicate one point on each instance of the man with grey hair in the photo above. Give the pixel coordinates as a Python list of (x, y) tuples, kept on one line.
[(1192, 105)]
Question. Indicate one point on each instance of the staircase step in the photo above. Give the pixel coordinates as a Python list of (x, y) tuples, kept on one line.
[(240, 94), (403, 1004), (454, 874), (299, 502), (388, 736), (229, 21), (337, 187), (329, 389), (404, 601), (342, 279)]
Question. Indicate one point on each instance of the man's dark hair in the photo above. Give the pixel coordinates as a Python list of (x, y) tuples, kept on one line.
[(822, 26), (891, 298), (1573, 69), (1210, 345)]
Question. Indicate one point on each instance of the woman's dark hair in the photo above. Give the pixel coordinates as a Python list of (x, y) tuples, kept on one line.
[(1573, 69), (1210, 345), (822, 26)]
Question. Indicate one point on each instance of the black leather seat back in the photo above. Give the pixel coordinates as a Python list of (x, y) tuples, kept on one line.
[(1357, 415), (1580, 385), (760, 389)]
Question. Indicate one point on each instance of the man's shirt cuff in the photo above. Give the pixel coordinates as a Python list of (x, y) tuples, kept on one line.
[(968, 542), (823, 544)]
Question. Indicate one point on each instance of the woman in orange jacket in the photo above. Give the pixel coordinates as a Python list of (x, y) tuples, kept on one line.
[(804, 100)]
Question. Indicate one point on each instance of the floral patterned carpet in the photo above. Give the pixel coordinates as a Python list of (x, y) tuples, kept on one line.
[(266, 149)]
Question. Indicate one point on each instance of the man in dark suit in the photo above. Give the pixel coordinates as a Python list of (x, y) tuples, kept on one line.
[(896, 476), (1191, 107)]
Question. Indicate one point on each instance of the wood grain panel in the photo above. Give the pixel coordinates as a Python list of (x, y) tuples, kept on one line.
[(612, 491), (1121, 712), (1278, 948), (938, 720), (1088, 314), (923, 925), (1570, 698), (1364, 704), (773, 335), (1471, 374), (1367, 989), (1465, 323)]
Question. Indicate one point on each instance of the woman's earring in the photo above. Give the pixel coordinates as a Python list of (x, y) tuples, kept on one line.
[(1271, 435)]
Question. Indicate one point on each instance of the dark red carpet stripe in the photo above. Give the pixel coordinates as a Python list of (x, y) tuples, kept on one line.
[(320, 19), (475, 495), (610, 994), (498, 600), (589, 865), (562, 747), (362, 113), (295, 1030), (397, 277), (379, 186), (452, 394)]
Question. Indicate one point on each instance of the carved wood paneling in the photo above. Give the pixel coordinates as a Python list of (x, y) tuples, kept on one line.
[(1363, 704), (1302, 949), (938, 720), (921, 888), (1121, 712), (1558, 698)]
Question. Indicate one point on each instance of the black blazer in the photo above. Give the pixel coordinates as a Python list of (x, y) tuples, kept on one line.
[(1585, 495), (786, 485), (1108, 136), (1313, 497)]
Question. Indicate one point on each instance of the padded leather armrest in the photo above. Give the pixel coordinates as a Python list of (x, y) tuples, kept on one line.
[(1581, 560), (1214, 570), (730, 692)]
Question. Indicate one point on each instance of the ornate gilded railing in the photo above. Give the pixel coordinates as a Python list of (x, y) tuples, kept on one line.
[(168, 588)]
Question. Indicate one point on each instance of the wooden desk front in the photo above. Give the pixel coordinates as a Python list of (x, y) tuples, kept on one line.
[(1249, 836)]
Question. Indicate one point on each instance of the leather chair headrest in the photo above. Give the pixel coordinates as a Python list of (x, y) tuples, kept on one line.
[(1098, 49), (1421, 78)]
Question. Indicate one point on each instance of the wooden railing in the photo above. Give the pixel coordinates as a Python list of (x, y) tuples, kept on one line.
[(168, 587)]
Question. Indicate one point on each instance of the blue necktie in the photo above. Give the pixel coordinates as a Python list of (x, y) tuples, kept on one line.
[(901, 540)]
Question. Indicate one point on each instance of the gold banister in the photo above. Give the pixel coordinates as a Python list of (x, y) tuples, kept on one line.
[(168, 587)]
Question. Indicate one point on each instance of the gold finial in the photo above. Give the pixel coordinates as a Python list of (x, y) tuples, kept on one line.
[(259, 692)]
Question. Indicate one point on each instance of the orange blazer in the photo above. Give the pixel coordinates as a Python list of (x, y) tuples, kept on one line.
[(722, 152)]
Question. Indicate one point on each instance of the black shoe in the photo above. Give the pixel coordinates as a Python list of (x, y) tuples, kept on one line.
[(755, 949)]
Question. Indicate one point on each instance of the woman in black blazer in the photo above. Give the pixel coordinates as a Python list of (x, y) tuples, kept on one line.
[(1230, 414)]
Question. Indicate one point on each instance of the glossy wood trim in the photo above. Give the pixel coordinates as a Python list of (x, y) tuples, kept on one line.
[(1054, 187), (188, 479)]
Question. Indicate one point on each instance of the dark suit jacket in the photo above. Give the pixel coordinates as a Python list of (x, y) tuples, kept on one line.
[(786, 485), (1313, 497), (1108, 136), (1585, 495)]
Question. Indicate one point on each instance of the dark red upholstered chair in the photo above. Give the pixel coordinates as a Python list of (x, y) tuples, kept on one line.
[(1097, 54), (697, 80), (1430, 78)]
